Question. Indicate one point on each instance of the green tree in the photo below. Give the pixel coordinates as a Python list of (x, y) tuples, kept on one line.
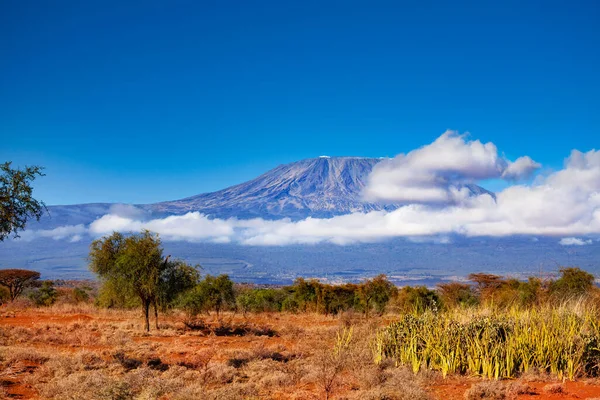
[(376, 293), (573, 282), (134, 266), (417, 299), (16, 280), (213, 293), (306, 294), (177, 278), (17, 204)]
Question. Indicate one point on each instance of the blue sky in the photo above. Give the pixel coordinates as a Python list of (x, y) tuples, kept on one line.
[(149, 101)]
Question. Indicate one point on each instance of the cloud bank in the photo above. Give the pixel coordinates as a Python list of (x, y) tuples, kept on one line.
[(437, 173), (430, 185)]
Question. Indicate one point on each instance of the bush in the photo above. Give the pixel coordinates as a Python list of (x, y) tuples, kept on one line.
[(375, 293), (261, 300), (574, 282), (456, 294), (417, 300), (80, 295), (45, 295), (211, 294), (4, 295)]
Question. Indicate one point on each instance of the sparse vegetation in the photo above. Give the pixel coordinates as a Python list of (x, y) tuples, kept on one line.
[(309, 340)]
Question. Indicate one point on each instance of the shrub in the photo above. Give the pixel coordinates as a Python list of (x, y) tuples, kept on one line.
[(4, 295), (490, 390), (417, 299), (573, 282), (79, 295), (375, 294), (45, 295), (211, 294), (456, 294)]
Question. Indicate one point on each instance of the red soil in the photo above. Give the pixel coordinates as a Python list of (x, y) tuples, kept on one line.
[(448, 389)]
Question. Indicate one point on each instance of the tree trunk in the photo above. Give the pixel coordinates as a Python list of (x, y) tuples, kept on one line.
[(146, 306), (156, 313)]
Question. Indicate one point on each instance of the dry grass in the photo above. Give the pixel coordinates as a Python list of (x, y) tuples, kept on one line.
[(554, 388), (492, 390), (77, 351)]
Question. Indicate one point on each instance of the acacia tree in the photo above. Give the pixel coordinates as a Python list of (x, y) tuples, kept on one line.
[(17, 204), (15, 280), (135, 264)]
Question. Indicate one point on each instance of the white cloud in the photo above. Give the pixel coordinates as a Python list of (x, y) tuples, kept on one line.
[(191, 226), (522, 167), (436, 172), (61, 232), (572, 241)]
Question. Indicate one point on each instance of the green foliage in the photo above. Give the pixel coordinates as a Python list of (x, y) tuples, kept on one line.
[(417, 299), (45, 295), (375, 294), (334, 299), (79, 295), (261, 300), (112, 294), (574, 282), (133, 266), (314, 296), (558, 341), (210, 294), (177, 277), (305, 293), (17, 204)]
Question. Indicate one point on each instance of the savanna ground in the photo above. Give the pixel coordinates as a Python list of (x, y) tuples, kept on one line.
[(83, 352)]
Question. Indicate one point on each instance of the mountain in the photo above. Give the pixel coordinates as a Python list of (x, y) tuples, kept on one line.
[(316, 187)]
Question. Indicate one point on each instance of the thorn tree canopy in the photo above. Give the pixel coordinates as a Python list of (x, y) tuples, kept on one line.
[(17, 204), (15, 280)]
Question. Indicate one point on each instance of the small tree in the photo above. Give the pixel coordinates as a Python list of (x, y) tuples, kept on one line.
[(135, 267), (417, 299), (376, 293), (15, 280), (210, 294), (17, 204), (457, 294), (573, 282)]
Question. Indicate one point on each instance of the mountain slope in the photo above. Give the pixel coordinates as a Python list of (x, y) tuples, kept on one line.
[(317, 187)]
